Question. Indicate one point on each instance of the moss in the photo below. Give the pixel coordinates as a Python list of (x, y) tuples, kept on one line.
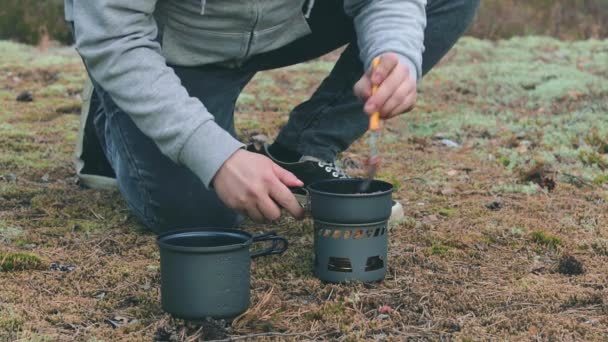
[(34, 337), (390, 178), (15, 54), (545, 239), (447, 212), (8, 231), (20, 261), (597, 140), (517, 231), (438, 249), (600, 247), (504, 161), (529, 189), (601, 179), (593, 158), (21, 242), (329, 311), (10, 324)]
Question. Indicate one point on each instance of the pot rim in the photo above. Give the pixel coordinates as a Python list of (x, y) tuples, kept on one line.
[(162, 243), (349, 225), (350, 180)]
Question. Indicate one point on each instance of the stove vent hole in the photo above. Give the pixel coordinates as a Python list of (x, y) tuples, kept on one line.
[(374, 263), (339, 265)]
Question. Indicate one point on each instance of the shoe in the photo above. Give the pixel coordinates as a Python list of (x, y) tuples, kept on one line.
[(92, 168), (310, 169)]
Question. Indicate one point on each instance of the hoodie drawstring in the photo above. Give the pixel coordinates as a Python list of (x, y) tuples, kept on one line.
[(311, 3), (203, 3)]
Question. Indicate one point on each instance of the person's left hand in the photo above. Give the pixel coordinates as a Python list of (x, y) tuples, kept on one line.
[(396, 93)]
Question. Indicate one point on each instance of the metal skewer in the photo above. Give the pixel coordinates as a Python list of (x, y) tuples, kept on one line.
[(374, 127)]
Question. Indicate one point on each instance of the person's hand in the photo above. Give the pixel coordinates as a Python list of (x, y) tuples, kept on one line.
[(396, 93), (253, 185)]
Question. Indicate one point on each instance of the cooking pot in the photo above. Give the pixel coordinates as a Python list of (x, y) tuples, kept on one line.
[(339, 201), (206, 272), (350, 229)]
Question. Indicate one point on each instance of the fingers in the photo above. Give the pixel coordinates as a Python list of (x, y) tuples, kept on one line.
[(255, 214), (407, 105), (387, 88), (283, 197), (388, 62), (286, 177), (269, 209), (400, 101), (363, 88)]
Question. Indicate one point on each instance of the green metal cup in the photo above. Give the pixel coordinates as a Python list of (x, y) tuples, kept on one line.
[(206, 272)]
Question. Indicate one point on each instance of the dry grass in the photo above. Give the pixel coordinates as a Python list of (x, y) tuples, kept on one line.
[(488, 251)]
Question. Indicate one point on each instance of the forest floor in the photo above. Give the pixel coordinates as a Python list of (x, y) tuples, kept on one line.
[(502, 169)]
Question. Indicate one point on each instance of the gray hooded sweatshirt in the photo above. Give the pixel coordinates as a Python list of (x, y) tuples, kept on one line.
[(118, 41)]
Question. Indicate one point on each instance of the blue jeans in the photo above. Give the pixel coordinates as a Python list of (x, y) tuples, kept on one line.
[(166, 196)]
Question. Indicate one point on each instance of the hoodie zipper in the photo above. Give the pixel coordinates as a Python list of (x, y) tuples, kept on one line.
[(255, 24)]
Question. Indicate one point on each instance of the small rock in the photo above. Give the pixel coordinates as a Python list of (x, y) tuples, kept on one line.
[(494, 206), (45, 178), (100, 295), (568, 265), (62, 268), (151, 268), (113, 324), (213, 329), (11, 177), (260, 138), (522, 149), (592, 321), (166, 334), (481, 246), (383, 317), (452, 173), (118, 321), (454, 327), (447, 191), (449, 143), (25, 96), (432, 218), (380, 337)]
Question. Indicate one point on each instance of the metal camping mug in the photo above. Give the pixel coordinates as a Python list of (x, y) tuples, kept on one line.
[(206, 272)]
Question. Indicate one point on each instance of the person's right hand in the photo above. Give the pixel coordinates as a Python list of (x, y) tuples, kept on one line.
[(252, 184)]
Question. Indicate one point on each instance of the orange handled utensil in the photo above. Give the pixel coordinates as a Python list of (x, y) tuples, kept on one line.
[(374, 127), (374, 120)]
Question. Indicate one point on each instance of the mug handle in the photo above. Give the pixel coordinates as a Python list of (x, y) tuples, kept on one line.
[(279, 244)]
